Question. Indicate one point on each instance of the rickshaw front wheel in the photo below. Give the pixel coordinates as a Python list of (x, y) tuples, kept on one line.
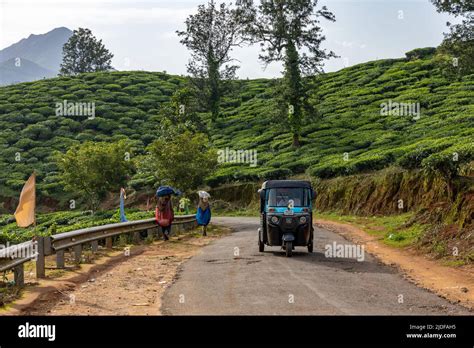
[(289, 249), (261, 245), (310, 247)]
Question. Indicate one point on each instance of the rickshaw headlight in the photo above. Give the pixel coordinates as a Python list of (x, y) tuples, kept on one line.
[(303, 219), (274, 219)]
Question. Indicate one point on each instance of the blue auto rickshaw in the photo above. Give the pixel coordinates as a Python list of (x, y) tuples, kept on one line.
[(286, 215)]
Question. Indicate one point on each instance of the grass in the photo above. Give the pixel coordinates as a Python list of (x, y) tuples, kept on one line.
[(212, 231), (391, 230), (237, 212), (8, 293), (454, 263)]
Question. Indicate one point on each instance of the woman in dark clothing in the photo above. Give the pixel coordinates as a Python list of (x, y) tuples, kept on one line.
[(164, 215)]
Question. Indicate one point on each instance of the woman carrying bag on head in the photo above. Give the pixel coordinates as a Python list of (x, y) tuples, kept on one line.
[(203, 215), (164, 213)]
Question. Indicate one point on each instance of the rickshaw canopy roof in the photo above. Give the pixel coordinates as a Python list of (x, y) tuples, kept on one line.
[(285, 183)]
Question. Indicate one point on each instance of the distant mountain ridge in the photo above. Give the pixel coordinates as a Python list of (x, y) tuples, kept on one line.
[(41, 53), (16, 70)]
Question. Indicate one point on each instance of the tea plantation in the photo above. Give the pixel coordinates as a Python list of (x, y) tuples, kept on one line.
[(347, 134)]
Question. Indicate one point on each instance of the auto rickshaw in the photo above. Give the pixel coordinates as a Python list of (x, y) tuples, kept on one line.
[(286, 215)]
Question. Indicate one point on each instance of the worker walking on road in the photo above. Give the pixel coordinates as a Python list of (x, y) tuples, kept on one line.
[(203, 215), (164, 215)]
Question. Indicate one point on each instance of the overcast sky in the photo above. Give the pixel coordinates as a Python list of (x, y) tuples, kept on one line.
[(141, 34)]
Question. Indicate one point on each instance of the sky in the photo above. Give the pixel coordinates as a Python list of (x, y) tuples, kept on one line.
[(141, 34)]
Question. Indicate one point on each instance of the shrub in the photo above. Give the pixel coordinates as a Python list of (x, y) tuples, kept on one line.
[(416, 153), (420, 53), (447, 162), (275, 174)]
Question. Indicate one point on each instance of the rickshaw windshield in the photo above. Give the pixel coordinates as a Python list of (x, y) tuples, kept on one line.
[(280, 197)]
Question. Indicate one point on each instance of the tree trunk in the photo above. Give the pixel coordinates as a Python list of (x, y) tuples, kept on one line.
[(214, 88), (294, 92), (296, 140)]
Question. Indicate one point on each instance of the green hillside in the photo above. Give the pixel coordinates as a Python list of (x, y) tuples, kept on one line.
[(350, 121), (126, 106), (348, 134)]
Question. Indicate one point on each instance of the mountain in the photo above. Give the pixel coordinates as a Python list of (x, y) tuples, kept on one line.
[(17, 70), (44, 50)]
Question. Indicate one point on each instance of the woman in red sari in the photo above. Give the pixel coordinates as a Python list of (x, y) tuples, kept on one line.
[(164, 215)]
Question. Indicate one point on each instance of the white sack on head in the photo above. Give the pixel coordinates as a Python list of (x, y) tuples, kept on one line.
[(203, 194)]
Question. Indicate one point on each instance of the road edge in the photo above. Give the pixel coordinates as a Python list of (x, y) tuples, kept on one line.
[(418, 269), (49, 287)]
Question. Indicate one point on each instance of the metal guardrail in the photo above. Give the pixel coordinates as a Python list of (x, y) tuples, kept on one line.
[(14, 257), (70, 239)]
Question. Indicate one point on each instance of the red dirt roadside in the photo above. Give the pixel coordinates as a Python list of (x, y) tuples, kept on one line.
[(456, 285), (116, 284)]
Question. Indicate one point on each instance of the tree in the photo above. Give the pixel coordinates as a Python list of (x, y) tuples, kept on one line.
[(455, 7), (210, 35), (456, 52), (92, 169), (184, 161), (84, 53), (420, 53), (180, 114), (283, 29)]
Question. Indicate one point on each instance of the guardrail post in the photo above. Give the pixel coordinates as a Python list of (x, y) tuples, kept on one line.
[(77, 253), (95, 246), (60, 259), (40, 262), (150, 233), (19, 275), (136, 237), (47, 246), (108, 242)]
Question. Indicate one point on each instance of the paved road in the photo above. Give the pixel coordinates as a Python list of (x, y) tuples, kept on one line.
[(217, 282)]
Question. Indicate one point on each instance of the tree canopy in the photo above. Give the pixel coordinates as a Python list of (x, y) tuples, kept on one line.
[(92, 169), (210, 35), (84, 53), (457, 49), (289, 31), (184, 161)]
